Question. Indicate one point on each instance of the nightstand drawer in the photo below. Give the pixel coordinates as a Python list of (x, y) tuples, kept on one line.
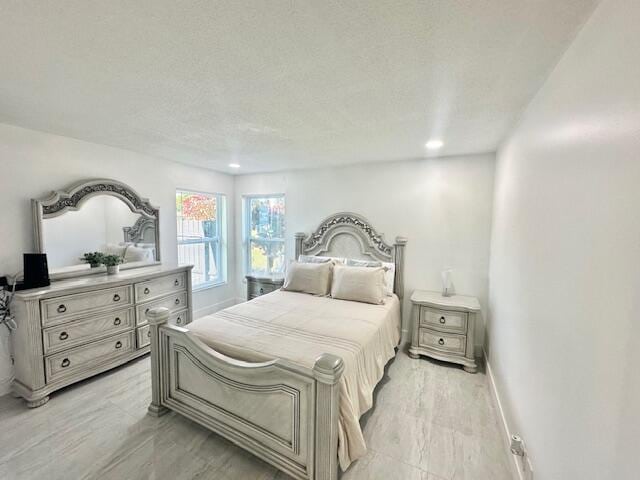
[(443, 320), (261, 288), (443, 341)]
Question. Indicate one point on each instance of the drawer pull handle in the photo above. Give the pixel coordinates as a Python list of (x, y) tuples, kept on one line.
[(441, 341), (117, 321), (65, 363), (147, 291), (261, 289), (176, 282), (148, 333), (118, 344), (178, 321), (63, 336), (116, 298), (443, 320), (62, 309), (146, 311), (177, 301)]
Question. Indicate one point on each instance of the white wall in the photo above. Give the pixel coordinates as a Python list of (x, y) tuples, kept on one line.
[(443, 206), (33, 163), (565, 259)]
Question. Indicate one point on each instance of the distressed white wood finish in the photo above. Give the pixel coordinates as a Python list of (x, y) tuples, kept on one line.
[(60, 202), (257, 286), (279, 411), (350, 235), (444, 327), (442, 320), (92, 354), (143, 336), (99, 312), (67, 307), (81, 331), (160, 287), (173, 302)]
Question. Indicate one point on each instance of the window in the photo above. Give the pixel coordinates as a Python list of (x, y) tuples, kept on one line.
[(202, 236), (264, 230)]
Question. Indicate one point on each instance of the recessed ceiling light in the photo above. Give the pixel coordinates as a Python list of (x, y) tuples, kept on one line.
[(234, 165), (434, 144)]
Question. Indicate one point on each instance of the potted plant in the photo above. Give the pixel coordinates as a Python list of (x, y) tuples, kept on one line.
[(112, 262), (93, 258), (6, 318)]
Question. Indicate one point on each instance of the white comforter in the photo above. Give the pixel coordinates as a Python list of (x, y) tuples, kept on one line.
[(301, 327)]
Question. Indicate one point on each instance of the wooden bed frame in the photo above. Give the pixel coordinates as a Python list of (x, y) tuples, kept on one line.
[(281, 412)]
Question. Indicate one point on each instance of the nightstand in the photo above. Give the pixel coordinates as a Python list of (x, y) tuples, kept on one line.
[(257, 286), (444, 327)]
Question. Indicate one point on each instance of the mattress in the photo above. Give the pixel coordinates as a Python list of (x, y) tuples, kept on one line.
[(301, 327)]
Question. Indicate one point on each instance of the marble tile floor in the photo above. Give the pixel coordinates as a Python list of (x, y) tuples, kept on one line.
[(431, 421)]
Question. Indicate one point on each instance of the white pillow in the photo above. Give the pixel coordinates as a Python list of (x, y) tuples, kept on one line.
[(389, 274), (359, 284), (137, 254), (113, 249), (313, 278), (318, 259)]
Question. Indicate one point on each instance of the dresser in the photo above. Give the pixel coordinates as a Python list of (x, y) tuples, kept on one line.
[(80, 327), (257, 286), (444, 327)]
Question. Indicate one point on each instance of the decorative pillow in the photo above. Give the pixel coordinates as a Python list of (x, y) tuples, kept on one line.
[(359, 284), (113, 249), (313, 278), (389, 274), (314, 259), (137, 254)]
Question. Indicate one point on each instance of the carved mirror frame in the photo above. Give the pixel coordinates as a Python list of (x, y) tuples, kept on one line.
[(71, 199)]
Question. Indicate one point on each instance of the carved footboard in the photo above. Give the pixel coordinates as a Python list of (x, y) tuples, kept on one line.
[(281, 412)]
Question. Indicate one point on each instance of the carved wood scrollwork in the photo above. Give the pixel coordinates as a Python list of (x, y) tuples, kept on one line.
[(350, 219), (71, 199)]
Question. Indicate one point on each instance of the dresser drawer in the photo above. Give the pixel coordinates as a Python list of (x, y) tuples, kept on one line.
[(159, 287), (62, 309), (179, 318), (446, 342), (443, 320), (143, 336), (86, 329), (83, 358), (174, 303)]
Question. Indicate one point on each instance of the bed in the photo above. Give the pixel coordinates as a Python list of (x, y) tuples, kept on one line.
[(287, 375)]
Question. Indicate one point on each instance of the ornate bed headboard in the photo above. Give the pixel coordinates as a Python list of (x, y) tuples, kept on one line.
[(144, 230), (350, 235)]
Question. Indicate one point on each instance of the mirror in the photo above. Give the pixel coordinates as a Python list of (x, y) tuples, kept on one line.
[(103, 216)]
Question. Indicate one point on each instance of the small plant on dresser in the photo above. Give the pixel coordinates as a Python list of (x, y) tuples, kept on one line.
[(112, 262)]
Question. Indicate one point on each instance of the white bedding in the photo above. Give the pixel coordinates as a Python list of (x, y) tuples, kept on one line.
[(300, 327)]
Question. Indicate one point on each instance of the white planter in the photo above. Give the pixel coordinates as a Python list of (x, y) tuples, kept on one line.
[(113, 269)]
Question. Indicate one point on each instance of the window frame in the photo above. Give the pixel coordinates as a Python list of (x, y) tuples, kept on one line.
[(220, 240), (246, 229)]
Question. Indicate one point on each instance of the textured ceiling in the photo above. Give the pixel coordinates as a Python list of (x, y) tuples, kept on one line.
[(279, 84)]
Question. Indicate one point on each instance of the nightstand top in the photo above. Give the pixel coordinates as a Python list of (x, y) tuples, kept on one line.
[(454, 302), (273, 280)]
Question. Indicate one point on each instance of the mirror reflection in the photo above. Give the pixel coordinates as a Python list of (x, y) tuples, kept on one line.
[(102, 223)]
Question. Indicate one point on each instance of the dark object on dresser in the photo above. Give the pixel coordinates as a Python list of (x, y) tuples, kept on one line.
[(257, 286), (36, 270)]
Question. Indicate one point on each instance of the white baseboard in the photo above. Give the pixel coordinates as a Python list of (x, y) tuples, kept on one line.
[(209, 309), (506, 430)]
